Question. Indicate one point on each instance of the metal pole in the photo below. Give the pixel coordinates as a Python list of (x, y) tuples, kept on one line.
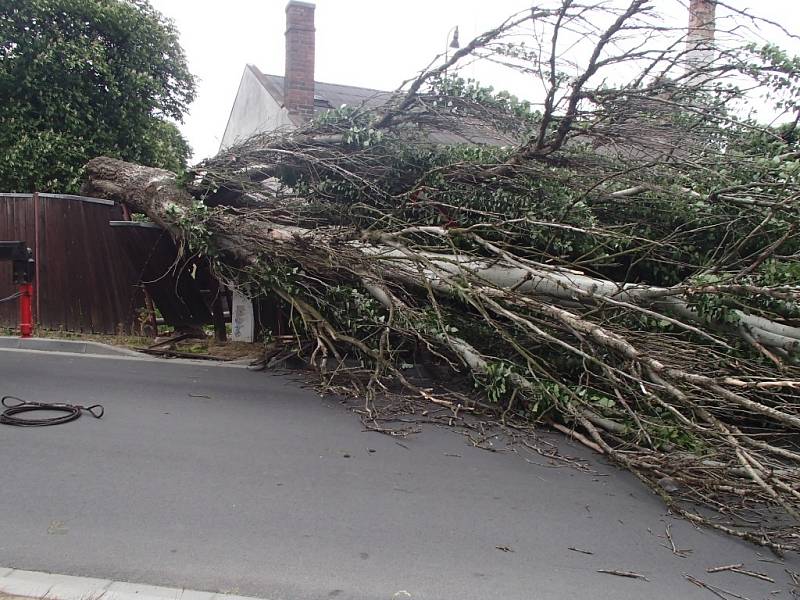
[(36, 255), (450, 44)]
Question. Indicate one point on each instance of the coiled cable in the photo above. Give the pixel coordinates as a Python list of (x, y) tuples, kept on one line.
[(15, 406)]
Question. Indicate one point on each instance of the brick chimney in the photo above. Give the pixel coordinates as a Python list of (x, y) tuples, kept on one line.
[(298, 83), (700, 37)]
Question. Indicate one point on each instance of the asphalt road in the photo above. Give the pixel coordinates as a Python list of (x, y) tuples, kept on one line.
[(222, 479)]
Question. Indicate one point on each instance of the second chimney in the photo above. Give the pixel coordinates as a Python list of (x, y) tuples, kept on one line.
[(298, 81), (700, 37)]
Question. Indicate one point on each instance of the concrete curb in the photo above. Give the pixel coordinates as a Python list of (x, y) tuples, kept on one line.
[(34, 584), (70, 346), (238, 364)]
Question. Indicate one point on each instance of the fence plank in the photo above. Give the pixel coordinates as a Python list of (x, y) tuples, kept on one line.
[(11, 220)]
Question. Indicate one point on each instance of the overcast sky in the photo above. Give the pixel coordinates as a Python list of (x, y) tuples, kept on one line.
[(370, 43)]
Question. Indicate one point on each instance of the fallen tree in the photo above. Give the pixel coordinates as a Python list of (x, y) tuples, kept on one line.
[(621, 263)]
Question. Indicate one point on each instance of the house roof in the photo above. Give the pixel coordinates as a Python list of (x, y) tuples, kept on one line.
[(326, 95), (329, 96)]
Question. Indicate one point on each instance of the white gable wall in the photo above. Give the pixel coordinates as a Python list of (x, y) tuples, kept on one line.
[(254, 111)]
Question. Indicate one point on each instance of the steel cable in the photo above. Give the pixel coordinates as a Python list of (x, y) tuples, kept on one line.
[(11, 297), (71, 412)]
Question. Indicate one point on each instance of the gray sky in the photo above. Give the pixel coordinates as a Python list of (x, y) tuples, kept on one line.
[(370, 43)]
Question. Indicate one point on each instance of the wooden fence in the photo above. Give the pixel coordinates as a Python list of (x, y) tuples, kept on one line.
[(84, 281)]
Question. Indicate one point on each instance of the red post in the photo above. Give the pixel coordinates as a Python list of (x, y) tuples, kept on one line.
[(26, 310)]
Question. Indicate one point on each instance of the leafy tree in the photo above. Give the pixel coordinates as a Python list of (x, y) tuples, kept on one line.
[(83, 78)]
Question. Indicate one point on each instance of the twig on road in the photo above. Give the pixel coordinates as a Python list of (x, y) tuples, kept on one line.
[(683, 553), (737, 568), (724, 568), (717, 591), (628, 574)]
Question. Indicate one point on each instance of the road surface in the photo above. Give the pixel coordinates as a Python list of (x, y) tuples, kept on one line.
[(222, 479)]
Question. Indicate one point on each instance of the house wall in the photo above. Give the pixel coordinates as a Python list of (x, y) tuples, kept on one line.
[(254, 111)]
